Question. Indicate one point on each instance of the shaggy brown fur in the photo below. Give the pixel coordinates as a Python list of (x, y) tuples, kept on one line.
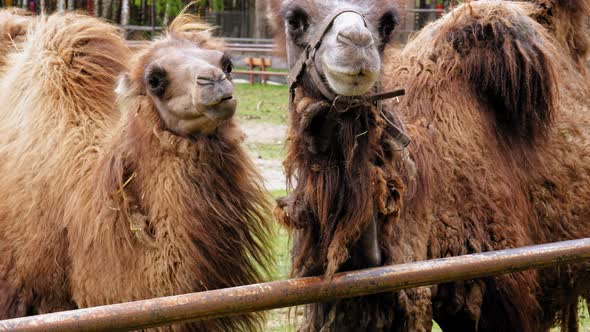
[(100, 205), (498, 158), (340, 192), (499, 117), (568, 21)]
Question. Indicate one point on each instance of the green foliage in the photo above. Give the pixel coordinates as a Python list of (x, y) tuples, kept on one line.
[(174, 8), (217, 5)]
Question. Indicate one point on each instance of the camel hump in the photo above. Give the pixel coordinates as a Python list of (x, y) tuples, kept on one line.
[(76, 58), (14, 24), (568, 21), (510, 62)]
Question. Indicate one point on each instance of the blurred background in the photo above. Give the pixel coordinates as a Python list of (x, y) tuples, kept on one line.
[(242, 23), (235, 18)]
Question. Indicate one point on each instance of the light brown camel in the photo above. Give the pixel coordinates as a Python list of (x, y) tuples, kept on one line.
[(498, 109), (103, 202)]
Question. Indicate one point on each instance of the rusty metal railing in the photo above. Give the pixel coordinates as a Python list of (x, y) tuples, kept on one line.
[(277, 294)]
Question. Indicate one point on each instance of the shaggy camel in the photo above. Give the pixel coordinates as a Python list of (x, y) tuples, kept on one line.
[(497, 106), (104, 203)]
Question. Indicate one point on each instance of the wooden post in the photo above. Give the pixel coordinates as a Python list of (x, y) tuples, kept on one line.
[(264, 78), (250, 63)]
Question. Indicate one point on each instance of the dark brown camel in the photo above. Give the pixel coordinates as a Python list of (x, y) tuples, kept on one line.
[(497, 106)]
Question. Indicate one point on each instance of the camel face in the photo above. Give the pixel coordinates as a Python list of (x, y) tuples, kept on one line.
[(191, 88), (349, 56)]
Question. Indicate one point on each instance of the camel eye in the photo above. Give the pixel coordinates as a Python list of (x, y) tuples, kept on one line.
[(387, 24), (156, 81), (297, 22), (228, 68), (226, 65)]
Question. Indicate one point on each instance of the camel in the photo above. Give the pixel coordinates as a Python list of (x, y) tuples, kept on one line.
[(110, 197), (497, 106)]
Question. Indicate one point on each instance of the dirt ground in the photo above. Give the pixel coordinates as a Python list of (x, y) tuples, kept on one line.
[(261, 134)]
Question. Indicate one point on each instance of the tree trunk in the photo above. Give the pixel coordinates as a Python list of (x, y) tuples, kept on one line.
[(166, 13), (61, 5), (42, 6), (124, 12), (117, 15), (71, 5), (144, 9), (96, 11), (153, 15), (107, 9), (24, 4), (260, 17)]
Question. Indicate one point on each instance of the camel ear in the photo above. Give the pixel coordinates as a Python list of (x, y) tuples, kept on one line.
[(273, 15), (123, 85), (126, 89), (509, 61)]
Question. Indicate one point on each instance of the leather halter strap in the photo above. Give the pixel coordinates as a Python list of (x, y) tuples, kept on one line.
[(306, 63), (306, 60)]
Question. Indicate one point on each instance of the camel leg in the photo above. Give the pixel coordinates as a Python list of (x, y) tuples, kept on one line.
[(14, 302), (502, 303), (415, 310)]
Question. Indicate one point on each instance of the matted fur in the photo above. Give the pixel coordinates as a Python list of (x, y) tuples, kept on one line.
[(507, 60), (357, 177), (500, 118), (486, 191), (99, 203), (568, 21)]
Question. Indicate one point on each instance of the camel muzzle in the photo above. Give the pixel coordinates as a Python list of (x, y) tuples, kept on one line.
[(306, 65)]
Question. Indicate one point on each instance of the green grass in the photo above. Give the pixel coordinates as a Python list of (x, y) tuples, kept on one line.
[(263, 103), (268, 151), (278, 319), (584, 319), (281, 246)]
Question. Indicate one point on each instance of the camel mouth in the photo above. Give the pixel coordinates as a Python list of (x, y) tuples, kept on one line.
[(206, 118), (351, 82), (223, 110)]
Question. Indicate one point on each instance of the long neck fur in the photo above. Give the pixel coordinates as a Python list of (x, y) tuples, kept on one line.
[(190, 209), (346, 167)]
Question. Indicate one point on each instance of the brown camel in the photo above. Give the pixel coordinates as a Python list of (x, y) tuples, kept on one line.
[(109, 198), (498, 108)]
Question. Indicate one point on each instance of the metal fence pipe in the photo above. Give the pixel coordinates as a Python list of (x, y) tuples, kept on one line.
[(246, 299)]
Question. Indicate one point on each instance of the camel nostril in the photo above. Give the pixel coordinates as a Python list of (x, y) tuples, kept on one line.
[(356, 38)]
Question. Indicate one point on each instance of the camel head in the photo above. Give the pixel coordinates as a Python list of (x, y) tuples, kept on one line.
[(187, 76), (349, 55)]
